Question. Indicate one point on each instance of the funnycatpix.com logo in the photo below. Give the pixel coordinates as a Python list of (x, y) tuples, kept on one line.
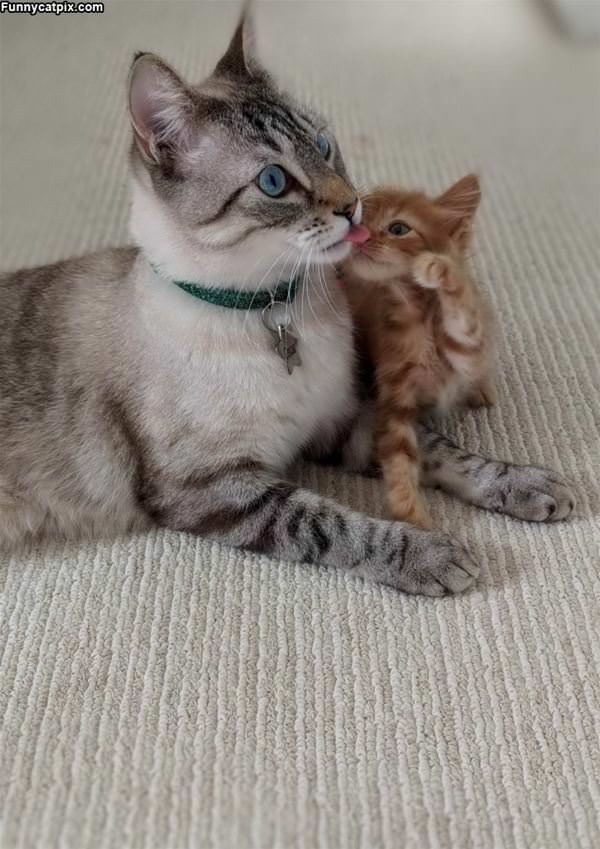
[(50, 8)]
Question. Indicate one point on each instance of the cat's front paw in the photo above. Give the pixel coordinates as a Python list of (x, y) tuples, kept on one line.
[(431, 271), (531, 493), (424, 563)]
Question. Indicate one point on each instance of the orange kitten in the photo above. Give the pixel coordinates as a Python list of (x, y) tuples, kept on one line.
[(421, 322)]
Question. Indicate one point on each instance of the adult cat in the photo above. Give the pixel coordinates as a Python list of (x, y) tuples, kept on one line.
[(129, 400)]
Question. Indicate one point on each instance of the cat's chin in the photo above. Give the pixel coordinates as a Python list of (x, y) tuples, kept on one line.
[(335, 253)]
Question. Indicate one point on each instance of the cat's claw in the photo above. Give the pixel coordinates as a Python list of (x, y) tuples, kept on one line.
[(535, 494)]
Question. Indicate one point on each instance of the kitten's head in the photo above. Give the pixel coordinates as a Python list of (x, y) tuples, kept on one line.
[(233, 165), (404, 224)]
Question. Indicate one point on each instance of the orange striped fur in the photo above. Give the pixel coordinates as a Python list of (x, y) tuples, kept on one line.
[(421, 322)]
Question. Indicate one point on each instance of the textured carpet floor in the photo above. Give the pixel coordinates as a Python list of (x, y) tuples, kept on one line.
[(163, 692)]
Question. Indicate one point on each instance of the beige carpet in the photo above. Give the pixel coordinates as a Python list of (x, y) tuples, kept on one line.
[(163, 692)]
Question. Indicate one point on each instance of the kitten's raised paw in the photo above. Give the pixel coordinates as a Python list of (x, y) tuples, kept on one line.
[(532, 493), (430, 271)]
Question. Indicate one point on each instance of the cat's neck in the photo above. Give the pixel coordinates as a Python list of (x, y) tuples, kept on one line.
[(177, 257)]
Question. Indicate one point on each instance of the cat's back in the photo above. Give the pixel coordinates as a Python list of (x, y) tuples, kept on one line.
[(39, 305), (25, 293), (48, 316)]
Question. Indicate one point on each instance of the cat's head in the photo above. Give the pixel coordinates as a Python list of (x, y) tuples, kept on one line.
[(233, 169), (404, 224)]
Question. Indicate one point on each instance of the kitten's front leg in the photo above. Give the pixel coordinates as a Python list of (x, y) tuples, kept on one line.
[(484, 395), (245, 506), (525, 492)]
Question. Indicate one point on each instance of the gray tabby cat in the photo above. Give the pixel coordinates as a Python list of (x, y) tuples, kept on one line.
[(126, 401)]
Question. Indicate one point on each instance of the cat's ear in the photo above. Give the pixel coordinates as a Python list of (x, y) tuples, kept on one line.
[(460, 202), (239, 60), (161, 108)]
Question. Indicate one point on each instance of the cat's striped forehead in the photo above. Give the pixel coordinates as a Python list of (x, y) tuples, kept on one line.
[(259, 114), (234, 158)]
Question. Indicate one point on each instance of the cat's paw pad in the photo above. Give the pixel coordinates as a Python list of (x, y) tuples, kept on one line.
[(426, 563), (535, 494)]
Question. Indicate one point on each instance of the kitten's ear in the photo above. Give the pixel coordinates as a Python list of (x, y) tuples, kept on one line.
[(160, 108), (460, 202), (240, 59), (463, 197)]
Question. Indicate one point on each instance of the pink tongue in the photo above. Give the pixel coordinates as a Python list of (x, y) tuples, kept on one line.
[(357, 234)]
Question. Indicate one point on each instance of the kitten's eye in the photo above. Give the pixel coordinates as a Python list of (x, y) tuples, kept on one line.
[(399, 228), (273, 181), (323, 145)]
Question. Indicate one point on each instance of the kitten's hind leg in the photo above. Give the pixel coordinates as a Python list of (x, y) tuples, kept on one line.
[(398, 453), (525, 492)]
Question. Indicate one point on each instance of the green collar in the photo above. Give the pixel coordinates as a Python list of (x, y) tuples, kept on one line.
[(238, 299)]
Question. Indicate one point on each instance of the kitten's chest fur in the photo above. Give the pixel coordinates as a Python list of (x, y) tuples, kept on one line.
[(407, 328)]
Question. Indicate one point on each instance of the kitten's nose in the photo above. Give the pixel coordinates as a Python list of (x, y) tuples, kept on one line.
[(347, 210)]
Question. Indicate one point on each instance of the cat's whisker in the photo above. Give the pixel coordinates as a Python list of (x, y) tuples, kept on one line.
[(362, 189), (303, 250), (317, 270), (248, 309), (320, 322), (302, 310), (335, 271), (308, 287), (325, 288), (281, 257)]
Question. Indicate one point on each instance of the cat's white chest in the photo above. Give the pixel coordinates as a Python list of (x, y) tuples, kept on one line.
[(225, 386), (284, 411)]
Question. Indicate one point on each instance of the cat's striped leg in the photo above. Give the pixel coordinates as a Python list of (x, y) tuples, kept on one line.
[(246, 507), (526, 492)]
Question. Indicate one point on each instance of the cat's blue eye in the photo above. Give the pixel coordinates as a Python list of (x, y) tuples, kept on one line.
[(273, 181), (399, 228), (323, 145)]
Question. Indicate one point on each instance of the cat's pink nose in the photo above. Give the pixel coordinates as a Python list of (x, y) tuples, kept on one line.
[(357, 234)]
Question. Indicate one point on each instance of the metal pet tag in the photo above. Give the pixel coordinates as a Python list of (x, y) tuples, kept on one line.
[(277, 319)]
